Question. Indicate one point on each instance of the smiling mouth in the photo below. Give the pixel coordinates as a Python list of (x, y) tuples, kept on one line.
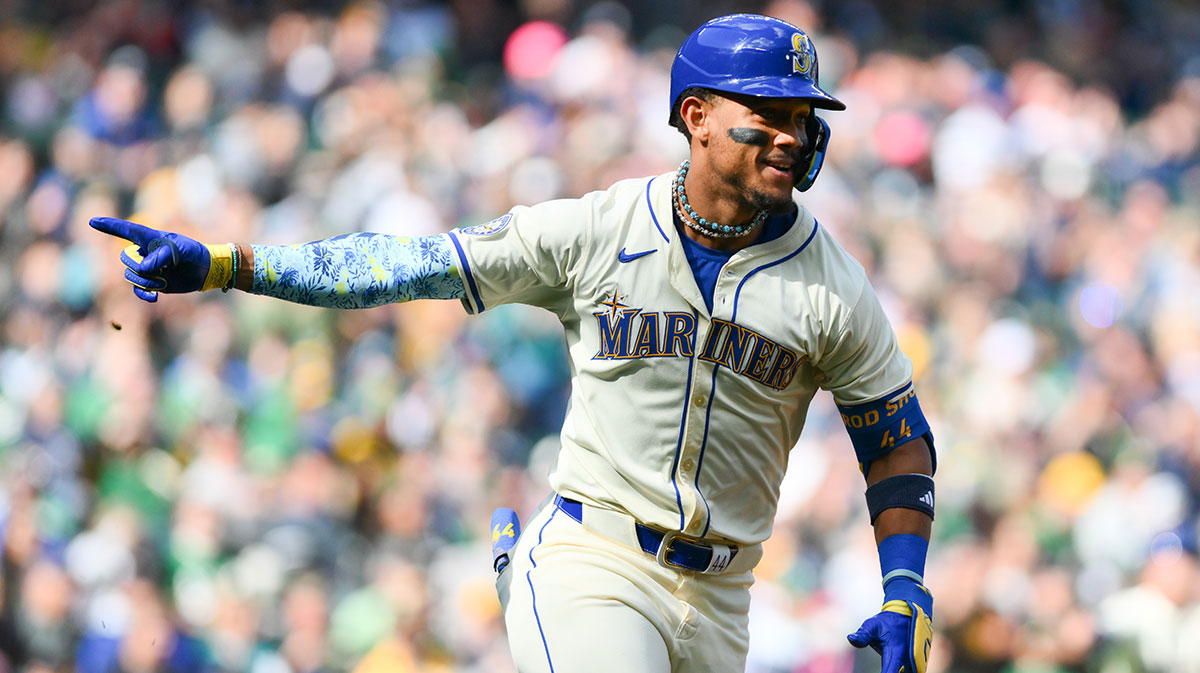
[(781, 166)]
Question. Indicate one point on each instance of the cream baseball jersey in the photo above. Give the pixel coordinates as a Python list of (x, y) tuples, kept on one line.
[(681, 417)]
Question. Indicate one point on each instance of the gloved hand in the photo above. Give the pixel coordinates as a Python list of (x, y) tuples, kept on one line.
[(902, 632), (814, 155), (161, 261)]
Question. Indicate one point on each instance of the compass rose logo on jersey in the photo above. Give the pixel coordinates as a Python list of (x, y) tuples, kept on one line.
[(802, 55), (488, 228), (614, 303)]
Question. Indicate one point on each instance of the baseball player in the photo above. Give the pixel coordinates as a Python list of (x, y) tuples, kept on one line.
[(703, 309)]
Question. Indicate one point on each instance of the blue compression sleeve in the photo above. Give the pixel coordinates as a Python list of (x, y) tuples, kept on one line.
[(902, 561), (358, 270), (903, 551)]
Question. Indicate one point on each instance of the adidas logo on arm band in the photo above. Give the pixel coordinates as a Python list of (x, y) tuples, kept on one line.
[(907, 491)]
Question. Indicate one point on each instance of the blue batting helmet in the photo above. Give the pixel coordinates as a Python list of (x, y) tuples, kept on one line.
[(752, 55)]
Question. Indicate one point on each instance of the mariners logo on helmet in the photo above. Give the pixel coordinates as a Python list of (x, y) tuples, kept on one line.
[(802, 56), (752, 55)]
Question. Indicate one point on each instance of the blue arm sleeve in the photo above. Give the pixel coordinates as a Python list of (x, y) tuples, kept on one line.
[(900, 558), (875, 428), (358, 270)]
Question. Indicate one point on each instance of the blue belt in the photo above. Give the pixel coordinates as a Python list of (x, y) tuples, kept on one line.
[(680, 552)]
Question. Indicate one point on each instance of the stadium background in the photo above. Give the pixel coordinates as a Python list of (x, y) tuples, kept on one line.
[(229, 483)]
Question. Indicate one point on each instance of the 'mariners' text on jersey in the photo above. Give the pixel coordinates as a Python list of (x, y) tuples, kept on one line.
[(634, 333)]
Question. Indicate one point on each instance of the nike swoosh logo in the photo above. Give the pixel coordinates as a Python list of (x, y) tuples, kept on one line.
[(623, 257)]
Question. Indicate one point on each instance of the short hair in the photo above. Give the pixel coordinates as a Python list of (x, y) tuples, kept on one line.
[(706, 95)]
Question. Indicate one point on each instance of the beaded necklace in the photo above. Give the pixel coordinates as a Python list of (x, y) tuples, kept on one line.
[(707, 227)]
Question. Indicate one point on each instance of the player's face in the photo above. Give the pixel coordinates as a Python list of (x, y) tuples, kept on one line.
[(757, 147)]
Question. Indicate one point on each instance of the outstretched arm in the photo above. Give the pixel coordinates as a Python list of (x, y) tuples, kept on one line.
[(352, 271)]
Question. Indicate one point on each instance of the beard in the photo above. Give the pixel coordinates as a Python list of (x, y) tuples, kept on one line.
[(773, 204)]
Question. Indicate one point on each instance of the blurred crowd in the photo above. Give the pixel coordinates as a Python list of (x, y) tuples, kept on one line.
[(224, 482)]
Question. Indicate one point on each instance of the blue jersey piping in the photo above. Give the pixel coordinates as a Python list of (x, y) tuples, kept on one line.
[(713, 394), (462, 256)]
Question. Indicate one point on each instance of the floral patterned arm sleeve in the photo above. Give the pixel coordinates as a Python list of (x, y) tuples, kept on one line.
[(358, 270)]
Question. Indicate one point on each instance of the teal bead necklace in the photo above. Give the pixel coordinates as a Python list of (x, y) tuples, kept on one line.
[(707, 227)]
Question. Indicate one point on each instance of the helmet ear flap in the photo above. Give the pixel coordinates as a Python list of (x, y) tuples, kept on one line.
[(814, 154)]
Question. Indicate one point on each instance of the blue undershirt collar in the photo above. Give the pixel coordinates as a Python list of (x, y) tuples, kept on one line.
[(706, 263)]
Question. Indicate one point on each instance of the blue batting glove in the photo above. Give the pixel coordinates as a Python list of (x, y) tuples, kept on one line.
[(161, 261), (902, 632)]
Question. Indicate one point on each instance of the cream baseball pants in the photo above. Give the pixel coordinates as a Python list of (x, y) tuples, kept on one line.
[(579, 602)]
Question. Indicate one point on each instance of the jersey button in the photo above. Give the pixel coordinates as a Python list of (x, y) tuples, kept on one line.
[(700, 400), (694, 527), (689, 464)]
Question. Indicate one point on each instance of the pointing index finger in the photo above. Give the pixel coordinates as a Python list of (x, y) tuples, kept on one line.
[(130, 231)]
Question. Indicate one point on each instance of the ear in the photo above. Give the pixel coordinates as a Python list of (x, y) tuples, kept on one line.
[(695, 113)]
